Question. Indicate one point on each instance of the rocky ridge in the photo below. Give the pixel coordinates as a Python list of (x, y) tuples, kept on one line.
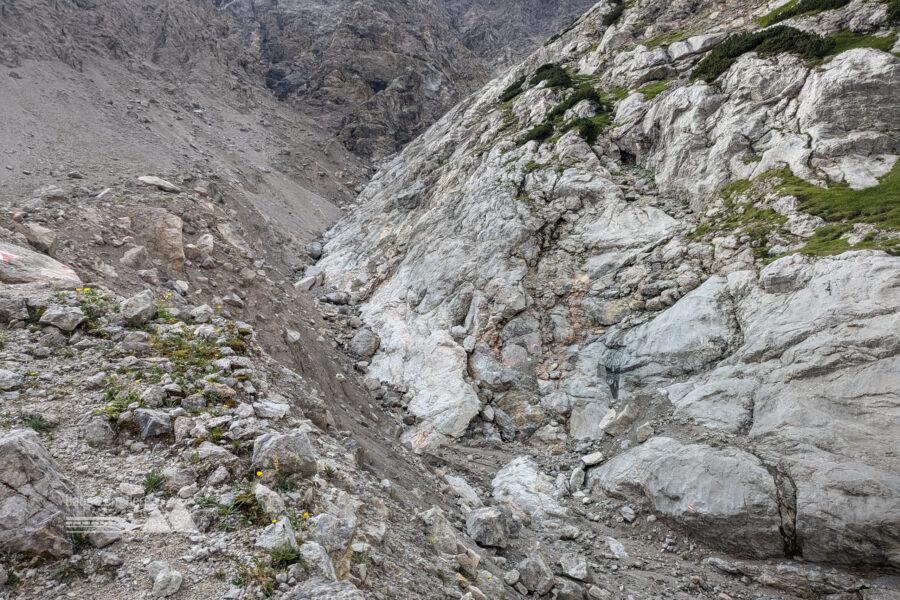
[(378, 73)]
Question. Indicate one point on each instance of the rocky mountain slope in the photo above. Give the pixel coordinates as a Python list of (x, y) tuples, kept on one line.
[(621, 325), (682, 233), (377, 73)]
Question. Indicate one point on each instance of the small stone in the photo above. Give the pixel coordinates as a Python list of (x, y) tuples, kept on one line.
[(589, 460), (162, 184), (166, 582)]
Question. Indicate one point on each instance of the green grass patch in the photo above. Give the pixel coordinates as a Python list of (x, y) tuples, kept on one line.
[(878, 205), (798, 8), (767, 42), (848, 40), (153, 482), (664, 39), (653, 90), (893, 11)]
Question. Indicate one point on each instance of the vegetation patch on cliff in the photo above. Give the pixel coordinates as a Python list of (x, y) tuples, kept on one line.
[(798, 8), (767, 42)]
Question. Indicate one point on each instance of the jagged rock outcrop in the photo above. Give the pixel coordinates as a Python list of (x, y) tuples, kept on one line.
[(518, 254), (377, 73), (36, 498)]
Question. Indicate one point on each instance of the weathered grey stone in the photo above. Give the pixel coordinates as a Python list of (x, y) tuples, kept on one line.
[(277, 535), (317, 561), (364, 344), (319, 589), (10, 381), (525, 490), (725, 497), (35, 498), (136, 258), (284, 453), (575, 566), (162, 184), (152, 423), (534, 574), (23, 265), (167, 582), (333, 533), (64, 318), (138, 309), (488, 527), (41, 238)]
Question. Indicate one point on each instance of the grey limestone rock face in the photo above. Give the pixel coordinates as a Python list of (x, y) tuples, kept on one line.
[(36, 497), (725, 497)]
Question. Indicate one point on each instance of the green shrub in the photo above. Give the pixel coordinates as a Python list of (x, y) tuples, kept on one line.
[(582, 92), (613, 16), (878, 205), (553, 74), (769, 41), (153, 482), (539, 133), (893, 12), (800, 7), (513, 90)]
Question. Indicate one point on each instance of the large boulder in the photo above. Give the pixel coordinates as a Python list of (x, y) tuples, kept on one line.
[(35, 498), (285, 454), (724, 497), (488, 527), (162, 232), (23, 265), (819, 362), (526, 491), (138, 309)]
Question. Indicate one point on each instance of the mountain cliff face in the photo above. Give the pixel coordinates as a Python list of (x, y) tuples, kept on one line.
[(669, 222), (378, 73)]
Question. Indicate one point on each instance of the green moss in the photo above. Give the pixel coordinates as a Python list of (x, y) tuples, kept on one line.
[(654, 89), (553, 74), (620, 93), (878, 205), (797, 8), (767, 42)]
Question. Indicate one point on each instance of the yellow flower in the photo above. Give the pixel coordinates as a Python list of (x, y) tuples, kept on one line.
[(219, 306), (306, 515), (259, 473), (87, 289), (77, 289), (274, 520), (32, 373), (169, 294)]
